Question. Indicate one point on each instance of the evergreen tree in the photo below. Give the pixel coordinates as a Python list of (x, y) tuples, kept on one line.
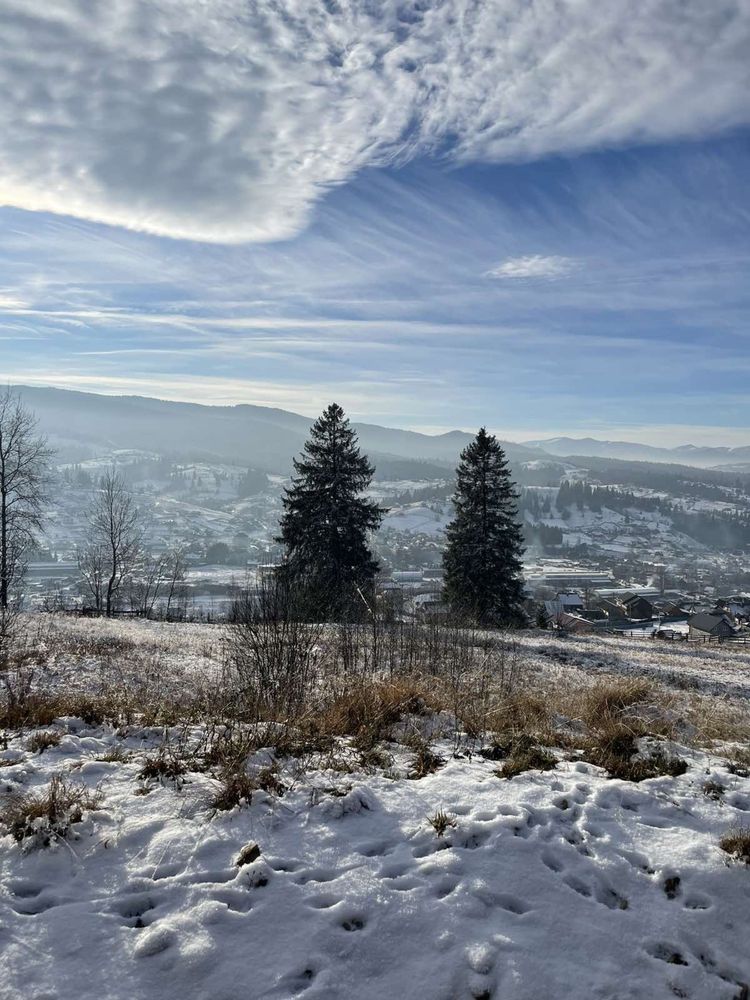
[(482, 559), (326, 520)]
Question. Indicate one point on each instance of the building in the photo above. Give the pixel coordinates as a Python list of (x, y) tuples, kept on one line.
[(638, 607), (705, 625), (564, 602), (573, 623)]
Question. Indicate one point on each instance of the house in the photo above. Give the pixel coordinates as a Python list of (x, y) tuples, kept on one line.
[(709, 625), (430, 608), (573, 623), (638, 608), (614, 611), (669, 609), (569, 603)]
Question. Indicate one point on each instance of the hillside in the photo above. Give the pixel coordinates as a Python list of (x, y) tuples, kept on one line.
[(82, 424), (414, 857)]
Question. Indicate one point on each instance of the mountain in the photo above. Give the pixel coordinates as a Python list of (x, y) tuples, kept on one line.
[(81, 424), (688, 454)]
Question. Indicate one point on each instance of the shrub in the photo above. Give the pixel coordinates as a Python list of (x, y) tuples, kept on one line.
[(164, 764), (43, 816), (525, 754), (713, 790), (615, 751), (736, 843), (237, 789), (42, 741), (739, 763), (425, 760)]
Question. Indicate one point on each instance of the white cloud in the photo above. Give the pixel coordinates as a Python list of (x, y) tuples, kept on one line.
[(533, 266), (226, 121)]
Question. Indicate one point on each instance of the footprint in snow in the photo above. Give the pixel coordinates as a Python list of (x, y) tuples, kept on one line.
[(321, 875)]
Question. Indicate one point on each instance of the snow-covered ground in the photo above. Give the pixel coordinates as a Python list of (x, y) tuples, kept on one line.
[(722, 670), (556, 884), (418, 518), (564, 883)]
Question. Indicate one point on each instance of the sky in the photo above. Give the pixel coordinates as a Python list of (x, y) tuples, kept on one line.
[(528, 214)]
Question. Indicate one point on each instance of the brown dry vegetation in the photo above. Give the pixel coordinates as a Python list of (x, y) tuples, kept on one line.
[(736, 843), (365, 689), (49, 813)]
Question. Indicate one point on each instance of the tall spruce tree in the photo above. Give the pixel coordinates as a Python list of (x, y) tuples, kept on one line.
[(482, 558), (326, 520)]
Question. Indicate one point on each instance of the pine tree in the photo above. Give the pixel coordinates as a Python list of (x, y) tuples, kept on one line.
[(326, 520), (482, 559)]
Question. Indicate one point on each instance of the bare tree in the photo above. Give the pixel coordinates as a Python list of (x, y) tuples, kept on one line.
[(24, 480), (91, 566), (116, 534), (156, 582), (175, 583)]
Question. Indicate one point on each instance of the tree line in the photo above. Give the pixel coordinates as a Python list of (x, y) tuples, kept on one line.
[(328, 571)]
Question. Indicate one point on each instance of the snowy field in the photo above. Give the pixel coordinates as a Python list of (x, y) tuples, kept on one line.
[(716, 669), (560, 883)]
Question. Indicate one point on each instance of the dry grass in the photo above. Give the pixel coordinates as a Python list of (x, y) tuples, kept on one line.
[(236, 789), (739, 762), (425, 760), (615, 750), (43, 816), (43, 740), (369, 709), (164, 765), (736, 843), (525, 754), (441, 822)]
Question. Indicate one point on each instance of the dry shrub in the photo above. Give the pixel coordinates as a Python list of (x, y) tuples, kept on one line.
[(614, 750), (236, 789), (739, 762), (41, 817), (425, 760), (165, 764), (524, 712), (714, 790), (736, 843), (39, 742), (269, 780), (525, 754)]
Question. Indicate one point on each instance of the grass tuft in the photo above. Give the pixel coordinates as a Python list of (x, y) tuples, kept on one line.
[(441, 822), (42, 741), (736, 843), (38, 818)]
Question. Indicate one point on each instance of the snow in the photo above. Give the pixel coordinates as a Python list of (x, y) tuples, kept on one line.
[(563, 883), (550, 884), (417, 518)]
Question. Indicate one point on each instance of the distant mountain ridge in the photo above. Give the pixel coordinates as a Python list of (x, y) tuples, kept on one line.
[(687, 454), (79, 423), (260, 436)]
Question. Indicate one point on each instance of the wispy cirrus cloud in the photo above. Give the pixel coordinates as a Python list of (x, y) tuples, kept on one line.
[(227, 121), (533, 266)]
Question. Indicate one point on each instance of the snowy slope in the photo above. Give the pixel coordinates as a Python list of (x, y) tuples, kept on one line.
[(563, 883), (550, 885)]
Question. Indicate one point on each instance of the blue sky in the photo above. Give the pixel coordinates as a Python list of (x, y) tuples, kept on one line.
[(578, 273)]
